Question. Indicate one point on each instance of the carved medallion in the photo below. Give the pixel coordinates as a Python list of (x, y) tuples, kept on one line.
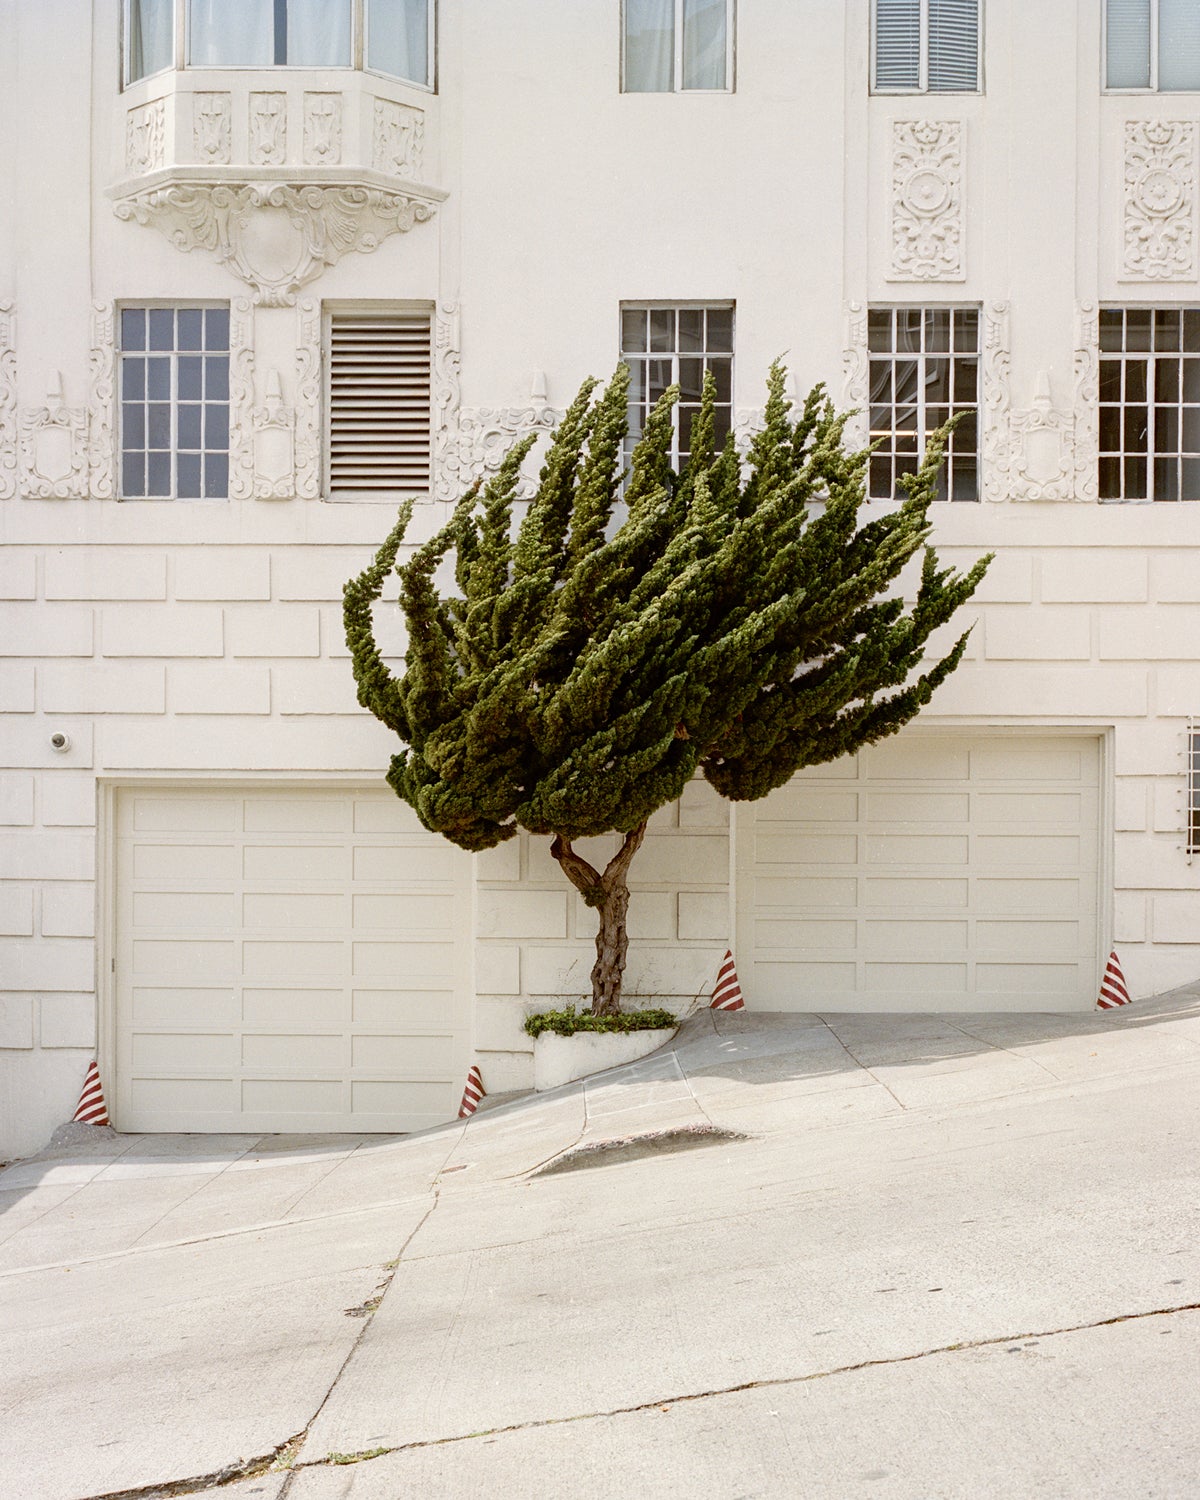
[(927, 209), (1160, 200)]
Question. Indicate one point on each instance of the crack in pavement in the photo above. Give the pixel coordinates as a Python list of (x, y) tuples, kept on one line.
[(771, 1383)]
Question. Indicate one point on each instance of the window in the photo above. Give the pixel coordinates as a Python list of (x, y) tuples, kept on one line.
[(1152, 44), (926, 46), (664, 346), (1149, 403), (379, 403), (924, 368), (388, 36), (675, 45), (174, 403), (1193, 789)]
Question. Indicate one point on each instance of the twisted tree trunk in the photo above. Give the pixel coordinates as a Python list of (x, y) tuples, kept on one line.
[(609, 895)]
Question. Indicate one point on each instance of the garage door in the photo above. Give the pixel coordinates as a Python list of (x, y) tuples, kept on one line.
[(929, 872), (287, 960)]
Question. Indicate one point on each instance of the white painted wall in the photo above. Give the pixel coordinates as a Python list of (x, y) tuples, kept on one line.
[(205, 639)]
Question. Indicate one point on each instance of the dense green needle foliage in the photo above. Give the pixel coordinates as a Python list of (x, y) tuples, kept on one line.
[(585, 670)]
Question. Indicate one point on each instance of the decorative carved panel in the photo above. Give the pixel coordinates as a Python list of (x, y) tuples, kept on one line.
[(145, 137), (322, 129), (275, 236), (927, 201), (479, 441), (102, 387), (241, 399), (53, 448), (1160, 200), (212, 116), (446, 399), (856, 385), (995, 363), (1087, 401), (268, 129), (1041, 449), (8, 401), (307, 442), (398, 139)]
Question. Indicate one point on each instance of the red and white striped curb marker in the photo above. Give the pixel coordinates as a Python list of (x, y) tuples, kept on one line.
[(1112, 986), (472, 1094), (92, 1109), (727, 994)]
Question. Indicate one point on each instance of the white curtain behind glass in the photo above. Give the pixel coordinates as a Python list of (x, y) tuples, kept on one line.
[(151, 36), (318, 33), (1128, 31), (232, 33), (704, 43), (1178, 44), (649, 46), (398, 38)]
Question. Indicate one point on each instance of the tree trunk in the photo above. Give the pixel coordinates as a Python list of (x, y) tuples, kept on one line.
[(609, 895)]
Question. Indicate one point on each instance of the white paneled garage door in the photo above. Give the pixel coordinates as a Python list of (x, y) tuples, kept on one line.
[(933, 871), (287, 960)]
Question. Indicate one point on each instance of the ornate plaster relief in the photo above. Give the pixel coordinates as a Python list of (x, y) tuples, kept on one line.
[(927, 201), (1087, 401), (446, 393), (856, 372), (397, 139), (8, 401), (241, 399), (53, 447), (322, 129), (995, 363), (275, 236), (268, 129), (145, 137), (102, 387), (307, 440), (1160, 200), (212, 127)]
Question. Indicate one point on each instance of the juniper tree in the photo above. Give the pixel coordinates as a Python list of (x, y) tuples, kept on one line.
[(731, 619)]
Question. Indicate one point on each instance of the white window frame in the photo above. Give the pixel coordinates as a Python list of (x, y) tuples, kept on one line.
[(1150, 404), (150, 304), (923, 65), (358, 51), (368, 309), (1152, 86), (677, 58), (652, 304)]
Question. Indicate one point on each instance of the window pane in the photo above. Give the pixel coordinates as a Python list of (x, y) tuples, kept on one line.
[(191, 380), (133, 377), (720, 330), (191, 327), (1110, 479), (216, 328), (133, 425), (953, 45), (398, 38), (937, 331), (158, 424), (1128, 63), (1191, 430), (633, 331), (216, 378), (964, 480), (662, 330), (1178, 45), (232, 33), (1166, 328), (1135, 479), (1191, 380), (158, 474), (704, 43), (1112, 330), (966, 330), (318, 33), (722, 374), (1191, 330), (649, 46), (188, 476), (216, 426), (691, 330), (1135, 380), (133, 475), (691, 374), (1135, 429), (161, 325), (937, 381), (188, 432), (158, 379), (1110, 380), (1110, 429), (1190, 485), (879, 330), (133, 328), (216, 476), (149, 37), (897, 44), (1138, 323), (658, 378)]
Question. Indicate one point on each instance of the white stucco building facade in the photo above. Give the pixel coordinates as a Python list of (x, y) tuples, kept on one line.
[(204, 882)]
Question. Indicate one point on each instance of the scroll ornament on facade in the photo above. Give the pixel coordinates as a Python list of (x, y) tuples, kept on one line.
[(1160, 200), (927, 206), (8, 402), (1087, 401), (53, 448), (277, 237)]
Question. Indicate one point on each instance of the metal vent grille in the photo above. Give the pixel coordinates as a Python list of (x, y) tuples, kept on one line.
[(379, 403)]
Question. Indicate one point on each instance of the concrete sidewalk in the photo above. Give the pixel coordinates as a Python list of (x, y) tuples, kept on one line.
[(895, 1274)]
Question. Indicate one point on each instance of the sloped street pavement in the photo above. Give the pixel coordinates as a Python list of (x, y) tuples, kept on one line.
[(878, 1256)]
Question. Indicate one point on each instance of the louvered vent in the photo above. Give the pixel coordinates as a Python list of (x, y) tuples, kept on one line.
[(379, 403), (953, 45)]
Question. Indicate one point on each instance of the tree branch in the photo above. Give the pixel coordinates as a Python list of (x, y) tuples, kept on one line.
[(586, 879)]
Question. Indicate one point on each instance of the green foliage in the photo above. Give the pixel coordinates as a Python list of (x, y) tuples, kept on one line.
[(568, 1022), (734, 619)]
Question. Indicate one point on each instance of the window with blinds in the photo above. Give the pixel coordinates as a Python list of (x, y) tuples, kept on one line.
[(1152, 44), (379, 403), (926, 46)]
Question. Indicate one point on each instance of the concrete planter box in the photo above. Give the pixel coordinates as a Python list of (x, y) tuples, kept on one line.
[(562, 1059)]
